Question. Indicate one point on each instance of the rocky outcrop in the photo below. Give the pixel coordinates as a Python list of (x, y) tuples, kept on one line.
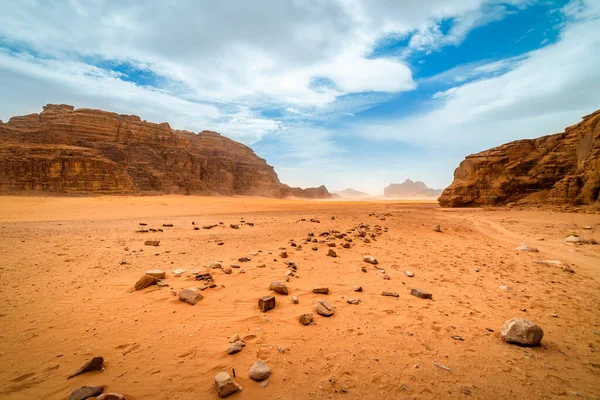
[(351, 194), (79, 151), (561, 169), (410, 188)]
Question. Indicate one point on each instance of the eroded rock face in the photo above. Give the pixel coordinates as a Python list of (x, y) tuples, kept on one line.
[(78, 151), (560, 169)]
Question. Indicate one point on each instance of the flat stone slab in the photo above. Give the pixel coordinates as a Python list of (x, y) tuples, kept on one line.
[(421, 294)]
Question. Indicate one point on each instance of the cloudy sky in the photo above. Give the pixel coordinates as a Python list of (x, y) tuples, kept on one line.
[(346, 93)]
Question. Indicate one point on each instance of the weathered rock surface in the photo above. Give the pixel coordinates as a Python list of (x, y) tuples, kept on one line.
[(78, 151), (410, 189), (85, 392), (190, 296), (306, 319), (225, 384), (560, 169), (266, 303), (324, 308), (110, 396), (95, 364), (278, 287), (259, 371), (521, 331)]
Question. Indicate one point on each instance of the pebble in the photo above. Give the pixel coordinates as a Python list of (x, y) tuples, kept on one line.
[(235, 265), (370, 260), (266, 303), (225, 384), (315, 248), (259, 371), (437, 228), (353, 301), (386, 277), (357, 288), (110, 396), (190, 296), (324, 308), (390, 294), (234, 338), (331, 253), (421, 294), (409, 274), (524, 247), (144, 282), (152, 243), (178, 272), (236, 347), (306, 319), (522, 332), (215, 265), (294, 299), (321, 290), (228, 271), (278, 287)]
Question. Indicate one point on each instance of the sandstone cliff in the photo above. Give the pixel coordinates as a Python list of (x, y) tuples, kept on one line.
[(561, 169), (77, 151), (410, 188)]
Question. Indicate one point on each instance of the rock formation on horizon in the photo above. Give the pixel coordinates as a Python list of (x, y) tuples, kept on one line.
[(561, 169), (410, 188), (84, 151), (351, 194)]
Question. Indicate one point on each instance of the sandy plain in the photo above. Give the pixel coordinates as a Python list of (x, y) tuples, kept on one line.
[(67, 266)]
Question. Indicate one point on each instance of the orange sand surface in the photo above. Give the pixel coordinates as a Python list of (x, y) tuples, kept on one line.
[(68, 265)]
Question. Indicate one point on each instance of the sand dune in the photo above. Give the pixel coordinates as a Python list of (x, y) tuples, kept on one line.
[(68, 266)]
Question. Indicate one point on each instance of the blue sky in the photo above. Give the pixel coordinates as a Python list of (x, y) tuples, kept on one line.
[(346, 93)]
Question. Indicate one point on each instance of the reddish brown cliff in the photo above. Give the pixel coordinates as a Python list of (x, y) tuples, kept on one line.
[(560, 169), (69, 150)]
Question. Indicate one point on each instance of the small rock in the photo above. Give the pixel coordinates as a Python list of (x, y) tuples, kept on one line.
[(243, 259), (261, 266), (370, 260), (294, 299), (225, 384), (151, 243), (390, 294), (386, 277), (357, 288), (259, 371), (144, 282), (162, 283), (204, 277), (156, 273), (234, 226), (346, 245), (524, 247), (321, 290), (367, 240), (236, 347), (283, 254), (190, 296), (315, 248), (353, 301), (587, 227), (278, 287), (522, 332), (266, 303), (331, 253), (95, 364), (207, 226), (110, 396), (264, 384), (437, 228), (363, 269), (215, 265), (227, 271), (331, 244), (456, 337), (409, 274), (86, 391), (306, 319), (235, 266), (234, 338), (421, 294), (178, 272), (324, 308)]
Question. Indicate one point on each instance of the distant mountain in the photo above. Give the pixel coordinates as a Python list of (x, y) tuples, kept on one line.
[(351, 193), (410, 188)]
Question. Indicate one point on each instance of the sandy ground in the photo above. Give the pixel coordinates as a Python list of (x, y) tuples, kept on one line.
[(67, 266)]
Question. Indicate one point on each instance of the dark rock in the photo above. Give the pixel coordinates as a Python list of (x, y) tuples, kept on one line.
[(421, 294), (95, 364), (266, 303), (85, 392)]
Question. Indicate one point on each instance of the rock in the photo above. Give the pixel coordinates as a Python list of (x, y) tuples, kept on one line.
[(353, 301), (331, 244), (178, 272), (236, 347), (370, 260), (357, 288), (390, 294), (215, 265), (234, 338), (331, 253), (110, 396), (207, 226), (346, 245), (190, 296), (152, 242), (587, 227), (278, 287), (437, 228), (306, 319), (227, 271), (324, 308), (283, 254), (367, 240), (156, 273), (321, 290), (522, 332), (315, 248), (266, 303), (145, 281), (95, 364), (234, 226), (294, 300), (409, 274), (559, 169), (524, 247), (85, 392), (421, 294), (259, 371), (226, 385), (162, 283), (235, 266), (261, 266), (204, 277), (243, 259), (386, 277), (578, 240)]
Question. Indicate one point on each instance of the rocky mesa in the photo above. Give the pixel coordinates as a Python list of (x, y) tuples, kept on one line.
[(84, 151), (559, 170)]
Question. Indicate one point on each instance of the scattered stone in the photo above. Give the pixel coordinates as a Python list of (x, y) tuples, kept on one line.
[(324, 308), (190, 296), (151, 242), (162, 283), (306, 319), (235, 265), (143, 224), (243, 259), (421, 294), (94, 364), (331, 253), (144, 282), (234, 226), (522, 332), (437, 228), (505, 288), (278, 287), (442, 367), (234, 338), (294, 299), (586, 227), (204, 277), (524, 247), (390, 294), (178, 272), (456, 337), (363, 269), (315, 248), (215, 265), (110, 396), (386, 277), (409, 274), (167, 225), (370, 260), (283, 254), (353, 301), (156, 273), (228, 271), (261, 266), (266, 303), (208, 226), (346, 245), (259, 371), (226, 385), (331, 244), (86, 391), (357, 288), (236, 347), (321, 290), (367, 240)]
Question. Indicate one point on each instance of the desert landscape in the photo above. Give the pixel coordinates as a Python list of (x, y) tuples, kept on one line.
[(69, 266)]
